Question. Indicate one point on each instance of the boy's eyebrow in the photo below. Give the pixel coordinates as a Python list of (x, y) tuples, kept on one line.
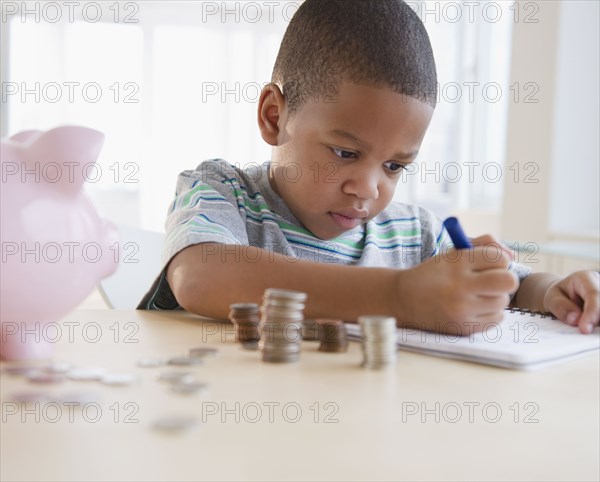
[(365, 146)]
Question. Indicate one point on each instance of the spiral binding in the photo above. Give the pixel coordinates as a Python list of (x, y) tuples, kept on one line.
[(523, 312)]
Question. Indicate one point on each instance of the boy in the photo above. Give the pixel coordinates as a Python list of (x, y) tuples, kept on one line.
[(352, 94)]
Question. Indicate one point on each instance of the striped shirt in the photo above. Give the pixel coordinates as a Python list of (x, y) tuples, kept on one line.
[(220, 203)]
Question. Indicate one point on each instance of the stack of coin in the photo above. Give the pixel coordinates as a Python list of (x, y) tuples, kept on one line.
[(310, 330), (281, 325), (332, 335), (378, 340), (245, 317)]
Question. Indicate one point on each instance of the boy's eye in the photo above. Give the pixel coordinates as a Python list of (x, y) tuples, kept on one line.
[(394, 166), (342, 153)]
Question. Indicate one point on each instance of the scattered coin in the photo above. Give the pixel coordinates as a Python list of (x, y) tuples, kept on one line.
[(119, 379), (86, 374), (150, 362), (175, 377), (201, 352), (185, 361)]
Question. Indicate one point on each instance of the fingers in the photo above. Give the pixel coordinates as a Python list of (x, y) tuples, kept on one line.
[(566, 310), (493, 282), (576, 300), (586, 287), (481, 258), (489, 241)]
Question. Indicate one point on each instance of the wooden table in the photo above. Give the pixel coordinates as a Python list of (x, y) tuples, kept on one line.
[(322, 418)]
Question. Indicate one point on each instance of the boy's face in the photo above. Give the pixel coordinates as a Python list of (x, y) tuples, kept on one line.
[(336, 164)]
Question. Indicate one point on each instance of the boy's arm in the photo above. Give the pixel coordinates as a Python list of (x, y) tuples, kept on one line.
[(206, 278), (574, 299), (464, 292)]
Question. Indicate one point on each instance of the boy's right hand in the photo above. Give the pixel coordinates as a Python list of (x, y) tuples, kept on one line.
[(458, 291)]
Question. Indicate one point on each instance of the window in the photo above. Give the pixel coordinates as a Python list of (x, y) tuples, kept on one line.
[(174, 83)]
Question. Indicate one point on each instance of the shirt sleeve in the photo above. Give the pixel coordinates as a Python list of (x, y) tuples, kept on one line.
[(208, 208)]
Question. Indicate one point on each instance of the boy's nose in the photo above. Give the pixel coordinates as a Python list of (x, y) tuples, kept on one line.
[(362, 183)]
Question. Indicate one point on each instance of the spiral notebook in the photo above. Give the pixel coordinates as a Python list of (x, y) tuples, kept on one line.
[(523, 340)]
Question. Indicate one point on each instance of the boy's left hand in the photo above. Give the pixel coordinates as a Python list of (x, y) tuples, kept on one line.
[(575, 300)]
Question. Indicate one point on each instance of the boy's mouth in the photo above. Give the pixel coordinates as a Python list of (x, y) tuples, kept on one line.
[(348, 219)]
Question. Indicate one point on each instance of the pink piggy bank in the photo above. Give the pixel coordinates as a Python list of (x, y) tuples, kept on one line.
[(55, 247)]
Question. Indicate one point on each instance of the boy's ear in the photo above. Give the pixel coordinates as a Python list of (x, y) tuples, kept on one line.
[(271, 107)]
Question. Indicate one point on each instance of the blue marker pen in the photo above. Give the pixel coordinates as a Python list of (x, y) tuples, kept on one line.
[(457, 235)]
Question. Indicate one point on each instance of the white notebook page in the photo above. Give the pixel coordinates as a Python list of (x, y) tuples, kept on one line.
[(522, 340)]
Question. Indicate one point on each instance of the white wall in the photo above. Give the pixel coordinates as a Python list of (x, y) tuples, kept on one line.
[(575, 162), (559, 132)]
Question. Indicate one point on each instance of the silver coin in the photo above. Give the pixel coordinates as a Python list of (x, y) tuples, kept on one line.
[(392, 348), (284, 294), (184, 361), (392, 332), (379, 348), (281, 339), (175, 377), (150, 362), (57, 367), (381, 336), (189, 387), (119, 379), (250, 345), (281, 325), (40, 376), (376, 366), (174, 424), (370, 330), (274, 315), (201, 352), (243, 307), (87, 374), (268, 357), (278, 351), (376, 319), (282, 305)]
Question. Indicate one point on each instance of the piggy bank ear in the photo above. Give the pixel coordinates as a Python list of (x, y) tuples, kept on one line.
[(25, 136), (73, 148)]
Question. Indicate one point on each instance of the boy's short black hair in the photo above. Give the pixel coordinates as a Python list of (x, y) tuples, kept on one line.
[(374, 42)]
